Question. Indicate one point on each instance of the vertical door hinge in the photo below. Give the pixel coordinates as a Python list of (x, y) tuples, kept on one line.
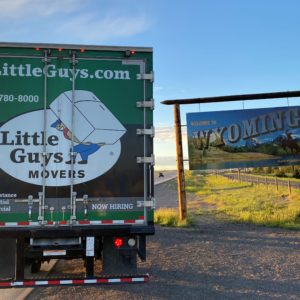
[(145, 131), (146, 160), (151, 202), (146, 104), (149, 76)]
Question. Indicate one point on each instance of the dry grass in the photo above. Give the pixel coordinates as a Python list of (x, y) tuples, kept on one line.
[(243, 202), (170, 217)]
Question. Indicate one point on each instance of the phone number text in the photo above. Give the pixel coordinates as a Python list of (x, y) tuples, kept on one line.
[(19, 98)]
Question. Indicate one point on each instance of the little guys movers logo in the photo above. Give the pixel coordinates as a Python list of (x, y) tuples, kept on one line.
[(94, 130)]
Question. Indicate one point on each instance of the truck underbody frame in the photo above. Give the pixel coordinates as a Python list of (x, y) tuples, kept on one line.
[(21, 235)]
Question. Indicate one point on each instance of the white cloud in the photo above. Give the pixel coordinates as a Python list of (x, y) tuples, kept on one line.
[(168, 134), (37, 8), (164, 134), (69, 21), (90, 27), (158, 88), (165, 162), (8, 7)]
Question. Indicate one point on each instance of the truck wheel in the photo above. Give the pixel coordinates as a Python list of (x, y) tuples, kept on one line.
[(36, 266), (117, 261)]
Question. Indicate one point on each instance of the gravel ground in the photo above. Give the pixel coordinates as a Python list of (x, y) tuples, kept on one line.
[(212, 260)]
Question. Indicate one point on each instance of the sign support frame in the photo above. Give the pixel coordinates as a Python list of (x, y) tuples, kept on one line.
[(178, 135), (182, 207)]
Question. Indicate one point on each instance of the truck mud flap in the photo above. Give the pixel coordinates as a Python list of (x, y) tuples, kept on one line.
[(7, 258), (75, 282)]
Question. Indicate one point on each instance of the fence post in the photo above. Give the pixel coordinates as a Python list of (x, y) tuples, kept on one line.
[(276, 183), (239, 175), (290, 188)]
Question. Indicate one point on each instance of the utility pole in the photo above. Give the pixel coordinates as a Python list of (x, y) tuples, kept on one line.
[(180, 169)]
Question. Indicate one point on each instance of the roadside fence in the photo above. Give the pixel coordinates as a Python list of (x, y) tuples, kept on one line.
[(286, 184)]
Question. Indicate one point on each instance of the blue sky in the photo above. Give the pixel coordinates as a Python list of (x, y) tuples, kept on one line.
[(201, 48)]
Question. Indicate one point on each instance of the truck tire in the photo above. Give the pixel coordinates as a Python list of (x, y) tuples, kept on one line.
[(117, 261)]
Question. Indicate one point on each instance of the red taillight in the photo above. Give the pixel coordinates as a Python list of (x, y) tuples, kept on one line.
[(132, 52), (60, 49), (82, 50), (118, 242), (37, 49)]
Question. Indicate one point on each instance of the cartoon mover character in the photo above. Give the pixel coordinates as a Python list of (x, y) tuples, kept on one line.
[(95, 125), (84, 149)]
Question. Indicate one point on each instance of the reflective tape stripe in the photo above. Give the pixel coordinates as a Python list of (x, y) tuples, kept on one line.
[(107, 221), (27, 283), (126, 279), (114, 280), (41, 282), (17, 283), (78, 281), (90, 281), (67, 281), (141, 279), (80, 222), (129, 221), (23, 223), (53, 282), (5, 284), (95, 222), (118, 221), (102, 280)]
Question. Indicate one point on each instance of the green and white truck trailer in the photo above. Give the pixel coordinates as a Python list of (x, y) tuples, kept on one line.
[(76, 159)]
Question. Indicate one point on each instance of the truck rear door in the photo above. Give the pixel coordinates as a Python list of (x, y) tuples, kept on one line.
[(76, 136)]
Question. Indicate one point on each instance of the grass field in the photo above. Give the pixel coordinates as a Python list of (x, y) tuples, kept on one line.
[(243, 202)]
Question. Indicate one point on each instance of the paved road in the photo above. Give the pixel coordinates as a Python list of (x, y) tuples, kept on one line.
[(167, 175), (166, 190)]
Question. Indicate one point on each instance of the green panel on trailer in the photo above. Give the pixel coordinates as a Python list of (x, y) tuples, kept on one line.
[(46, 118)]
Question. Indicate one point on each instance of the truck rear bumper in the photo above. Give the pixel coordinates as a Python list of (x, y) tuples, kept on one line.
[(76, 231)]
